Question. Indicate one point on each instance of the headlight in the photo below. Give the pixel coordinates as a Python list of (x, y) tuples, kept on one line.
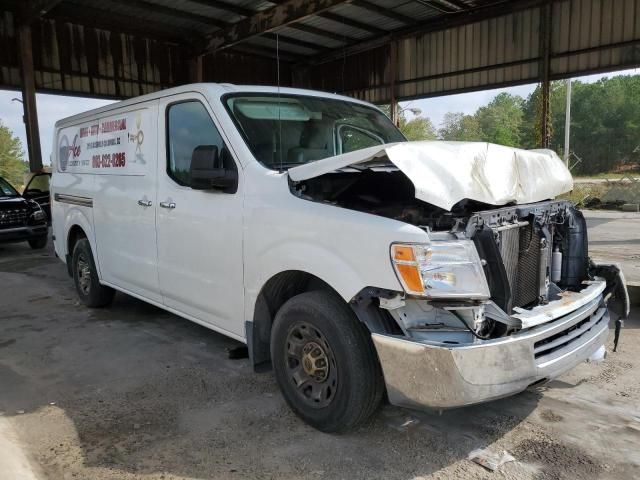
[(448, 269), (39, 215)]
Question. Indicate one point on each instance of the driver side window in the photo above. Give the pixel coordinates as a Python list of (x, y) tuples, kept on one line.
[(353, 138), (189, 128)]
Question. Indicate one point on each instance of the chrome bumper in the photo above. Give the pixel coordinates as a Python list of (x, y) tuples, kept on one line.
[(419, 374)]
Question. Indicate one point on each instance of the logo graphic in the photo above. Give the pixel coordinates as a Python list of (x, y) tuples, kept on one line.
[(63, 153), (75, 148), (138, 139)]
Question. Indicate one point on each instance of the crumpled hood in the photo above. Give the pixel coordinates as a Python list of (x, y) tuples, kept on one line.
[(443, 173)]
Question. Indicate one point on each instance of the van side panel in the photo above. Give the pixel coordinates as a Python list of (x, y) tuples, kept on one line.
[(125, 203), (109, 162)]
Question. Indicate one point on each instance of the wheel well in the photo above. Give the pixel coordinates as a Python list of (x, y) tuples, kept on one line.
[(278, 289), (285, 285), (75, 233)]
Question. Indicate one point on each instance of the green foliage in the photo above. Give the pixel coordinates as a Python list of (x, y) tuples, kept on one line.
[(460, 127), (418, 128), (500, 121), (605, 122), (12, 164)]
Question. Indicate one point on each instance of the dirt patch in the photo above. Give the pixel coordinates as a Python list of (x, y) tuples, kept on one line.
[(557, 460), (551, 416)]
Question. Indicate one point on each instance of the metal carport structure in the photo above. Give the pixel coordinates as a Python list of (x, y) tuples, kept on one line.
[(382, 51)]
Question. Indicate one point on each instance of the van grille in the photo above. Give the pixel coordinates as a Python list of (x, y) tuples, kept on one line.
[(569, 336), (13, 218), (520, 252)]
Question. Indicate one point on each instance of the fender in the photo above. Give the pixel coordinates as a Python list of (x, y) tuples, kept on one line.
[(78, 216)]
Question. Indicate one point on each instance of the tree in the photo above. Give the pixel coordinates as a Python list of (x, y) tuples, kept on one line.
[(418, 128), (501, 119), (460, 127), (12, 164)]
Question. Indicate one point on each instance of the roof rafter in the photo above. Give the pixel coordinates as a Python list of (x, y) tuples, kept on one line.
[(352, 23), (172, 12), (293, 41), (385, 12), (106, 20), (439, 23), (227, 7), (283, 14), (303, 27)]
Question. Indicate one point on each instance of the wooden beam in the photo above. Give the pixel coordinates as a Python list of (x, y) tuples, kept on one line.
[(268, 20), (27, 80)]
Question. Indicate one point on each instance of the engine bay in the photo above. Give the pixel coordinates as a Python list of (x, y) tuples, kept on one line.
[(531, 254)]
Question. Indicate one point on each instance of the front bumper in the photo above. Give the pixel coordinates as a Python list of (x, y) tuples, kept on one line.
[(22, 234), (424, 375)]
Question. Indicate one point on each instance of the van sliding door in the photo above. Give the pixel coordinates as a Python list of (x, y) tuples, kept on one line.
[(199, 230)]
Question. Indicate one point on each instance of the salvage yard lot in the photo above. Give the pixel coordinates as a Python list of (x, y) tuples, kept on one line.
[(133, 392)]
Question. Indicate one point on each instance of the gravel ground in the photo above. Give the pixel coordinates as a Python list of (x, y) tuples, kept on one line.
[(132, 392)]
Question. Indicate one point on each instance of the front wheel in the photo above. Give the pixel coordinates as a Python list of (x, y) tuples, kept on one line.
[(85, 276), (325, 362)]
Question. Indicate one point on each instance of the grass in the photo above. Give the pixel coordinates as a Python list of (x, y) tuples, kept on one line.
[(584, 191), (610, 175)]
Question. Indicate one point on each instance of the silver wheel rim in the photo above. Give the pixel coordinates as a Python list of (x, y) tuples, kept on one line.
[(84, 274)]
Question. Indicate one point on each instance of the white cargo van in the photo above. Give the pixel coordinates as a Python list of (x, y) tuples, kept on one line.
[(351, 261)]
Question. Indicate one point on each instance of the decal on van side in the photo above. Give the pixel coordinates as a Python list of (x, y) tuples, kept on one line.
[(110, 145)]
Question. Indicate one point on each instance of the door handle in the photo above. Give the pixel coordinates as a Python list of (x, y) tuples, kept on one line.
[(144, 203), (168, 205)]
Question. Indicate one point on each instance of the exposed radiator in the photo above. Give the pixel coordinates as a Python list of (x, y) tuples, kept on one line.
[(521, 253)]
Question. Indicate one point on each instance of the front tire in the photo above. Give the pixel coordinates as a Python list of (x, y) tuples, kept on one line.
[(38, 243), (325, 363), (85, 277)]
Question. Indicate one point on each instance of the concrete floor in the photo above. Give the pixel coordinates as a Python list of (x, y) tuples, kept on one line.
[(615, 237), (132, 392)]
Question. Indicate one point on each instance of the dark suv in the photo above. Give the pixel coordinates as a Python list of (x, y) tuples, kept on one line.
[(21, 219)]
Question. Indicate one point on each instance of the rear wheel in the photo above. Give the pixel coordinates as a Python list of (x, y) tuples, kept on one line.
[(38, 243), (325, 362), (85, 276)]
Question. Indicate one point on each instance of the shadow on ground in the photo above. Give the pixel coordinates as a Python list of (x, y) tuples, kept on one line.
[(132, 390)]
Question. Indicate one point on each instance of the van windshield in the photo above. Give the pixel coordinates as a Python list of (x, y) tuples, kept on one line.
[(289, 130)]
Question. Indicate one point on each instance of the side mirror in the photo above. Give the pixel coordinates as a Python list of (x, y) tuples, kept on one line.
[(208, 172)]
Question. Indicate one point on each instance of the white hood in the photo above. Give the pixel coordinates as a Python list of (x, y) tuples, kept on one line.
[(443, 173)]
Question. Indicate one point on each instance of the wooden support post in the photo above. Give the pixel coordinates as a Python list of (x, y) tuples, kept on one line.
[(545, 117), (197, 69), (27, 81), (393, 65)]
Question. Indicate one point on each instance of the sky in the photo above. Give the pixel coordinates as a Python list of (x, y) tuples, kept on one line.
[(51, 108)]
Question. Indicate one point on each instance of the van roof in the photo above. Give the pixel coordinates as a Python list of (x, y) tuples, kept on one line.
[(211, 89)]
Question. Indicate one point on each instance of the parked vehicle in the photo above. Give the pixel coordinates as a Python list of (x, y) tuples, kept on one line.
[(351, 261), (37, 189), (21, 219)]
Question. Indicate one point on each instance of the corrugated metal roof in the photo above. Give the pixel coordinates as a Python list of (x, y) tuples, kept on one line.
[(125, 47)]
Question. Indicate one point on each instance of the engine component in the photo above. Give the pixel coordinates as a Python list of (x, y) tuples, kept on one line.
[(556, 265)]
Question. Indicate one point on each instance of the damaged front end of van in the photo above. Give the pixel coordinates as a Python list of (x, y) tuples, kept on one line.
[(502, 295)]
